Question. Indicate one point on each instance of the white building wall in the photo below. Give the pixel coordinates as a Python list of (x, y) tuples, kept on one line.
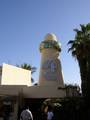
[(12, 75)]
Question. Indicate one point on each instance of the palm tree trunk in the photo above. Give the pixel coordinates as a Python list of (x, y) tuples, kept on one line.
[(85, 79), (83, 71), (88, 80)]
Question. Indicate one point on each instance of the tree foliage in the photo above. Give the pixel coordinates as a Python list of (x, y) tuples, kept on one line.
[(80, 49)]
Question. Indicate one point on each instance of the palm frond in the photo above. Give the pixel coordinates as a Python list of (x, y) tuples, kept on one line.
[(70, 49), (88, 26), (76, 30), (74, 53), (26, 66), (83, 28), (70, 42)]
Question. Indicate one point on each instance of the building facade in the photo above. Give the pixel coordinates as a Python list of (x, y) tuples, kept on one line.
[(15, 83)]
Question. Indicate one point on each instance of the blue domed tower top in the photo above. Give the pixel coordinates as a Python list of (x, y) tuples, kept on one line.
[(50, 41)]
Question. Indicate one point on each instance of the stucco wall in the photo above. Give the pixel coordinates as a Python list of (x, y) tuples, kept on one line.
[(12, 75)]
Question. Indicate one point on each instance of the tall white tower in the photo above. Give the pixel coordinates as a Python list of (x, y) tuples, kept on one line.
[(50, 69)]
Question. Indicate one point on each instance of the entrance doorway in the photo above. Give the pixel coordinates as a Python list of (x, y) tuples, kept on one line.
[(34, 106)]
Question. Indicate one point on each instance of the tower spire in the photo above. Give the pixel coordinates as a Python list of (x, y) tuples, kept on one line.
[(50, 70)]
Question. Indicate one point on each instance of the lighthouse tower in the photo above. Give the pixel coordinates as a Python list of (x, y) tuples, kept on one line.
[(50, 69)]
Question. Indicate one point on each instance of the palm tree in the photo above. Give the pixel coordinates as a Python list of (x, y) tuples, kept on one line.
[(29, 67), (80, 49)]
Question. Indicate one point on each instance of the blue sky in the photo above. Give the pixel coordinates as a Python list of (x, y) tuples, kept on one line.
[(24, 23)]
